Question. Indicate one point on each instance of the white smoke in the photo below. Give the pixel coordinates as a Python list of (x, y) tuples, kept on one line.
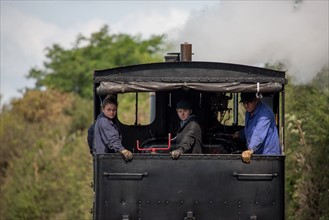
[(259, 32)]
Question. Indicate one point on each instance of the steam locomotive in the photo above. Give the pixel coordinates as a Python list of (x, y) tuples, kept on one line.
[(216, 184)]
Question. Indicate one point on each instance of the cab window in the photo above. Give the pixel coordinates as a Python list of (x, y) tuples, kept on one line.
[(136, 108)]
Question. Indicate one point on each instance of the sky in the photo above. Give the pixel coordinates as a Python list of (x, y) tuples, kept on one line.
[(245, 32)]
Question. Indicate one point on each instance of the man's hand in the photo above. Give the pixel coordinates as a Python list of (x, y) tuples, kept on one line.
[(175, 154), (246, 155), (127, 155)]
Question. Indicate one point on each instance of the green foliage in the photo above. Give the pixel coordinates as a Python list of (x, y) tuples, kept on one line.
[(80, 111), (321, 80), (307, 153), (50, 181), (71, 70), (47, 166), (26, 121)]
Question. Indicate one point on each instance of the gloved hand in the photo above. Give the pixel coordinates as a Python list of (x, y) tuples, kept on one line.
[(246, 155), (127, 155), (175, 154)]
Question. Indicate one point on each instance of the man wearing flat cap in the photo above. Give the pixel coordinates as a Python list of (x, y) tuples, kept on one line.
[(260, 131), (188, 139)]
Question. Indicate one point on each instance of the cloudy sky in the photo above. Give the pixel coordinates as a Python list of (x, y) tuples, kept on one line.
[(246, 32)]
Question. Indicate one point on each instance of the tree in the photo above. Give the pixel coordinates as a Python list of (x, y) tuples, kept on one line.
[(46, 167), (70, 70), (47, 163), (307, 152), (321, 80)]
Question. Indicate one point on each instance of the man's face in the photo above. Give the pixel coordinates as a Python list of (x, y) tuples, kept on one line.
[(110, 110), (183, 114), (250, 106)]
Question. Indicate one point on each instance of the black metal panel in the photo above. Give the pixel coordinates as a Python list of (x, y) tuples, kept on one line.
[(205, 186)]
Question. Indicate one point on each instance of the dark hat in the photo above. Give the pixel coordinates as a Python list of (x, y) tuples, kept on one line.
[(248, 96), (183, 104)]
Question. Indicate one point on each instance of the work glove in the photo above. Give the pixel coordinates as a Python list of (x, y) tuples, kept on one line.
[(246, 155), (175, 154), (127, 155)]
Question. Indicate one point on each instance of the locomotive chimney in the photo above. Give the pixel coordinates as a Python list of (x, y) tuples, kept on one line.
[(186, 52)]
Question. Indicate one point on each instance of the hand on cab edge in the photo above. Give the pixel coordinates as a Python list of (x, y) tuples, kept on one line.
[(246, 156), (127, 155), (175, 154)]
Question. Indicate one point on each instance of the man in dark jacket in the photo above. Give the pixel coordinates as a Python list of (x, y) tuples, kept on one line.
[(189, 135)]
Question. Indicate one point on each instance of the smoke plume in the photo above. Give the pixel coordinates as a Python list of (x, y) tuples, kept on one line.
[(259, 32)]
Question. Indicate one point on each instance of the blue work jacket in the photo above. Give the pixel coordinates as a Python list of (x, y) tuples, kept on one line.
[(260, 132)]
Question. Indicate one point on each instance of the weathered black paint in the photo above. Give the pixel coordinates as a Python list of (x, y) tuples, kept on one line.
[(205, 186)]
